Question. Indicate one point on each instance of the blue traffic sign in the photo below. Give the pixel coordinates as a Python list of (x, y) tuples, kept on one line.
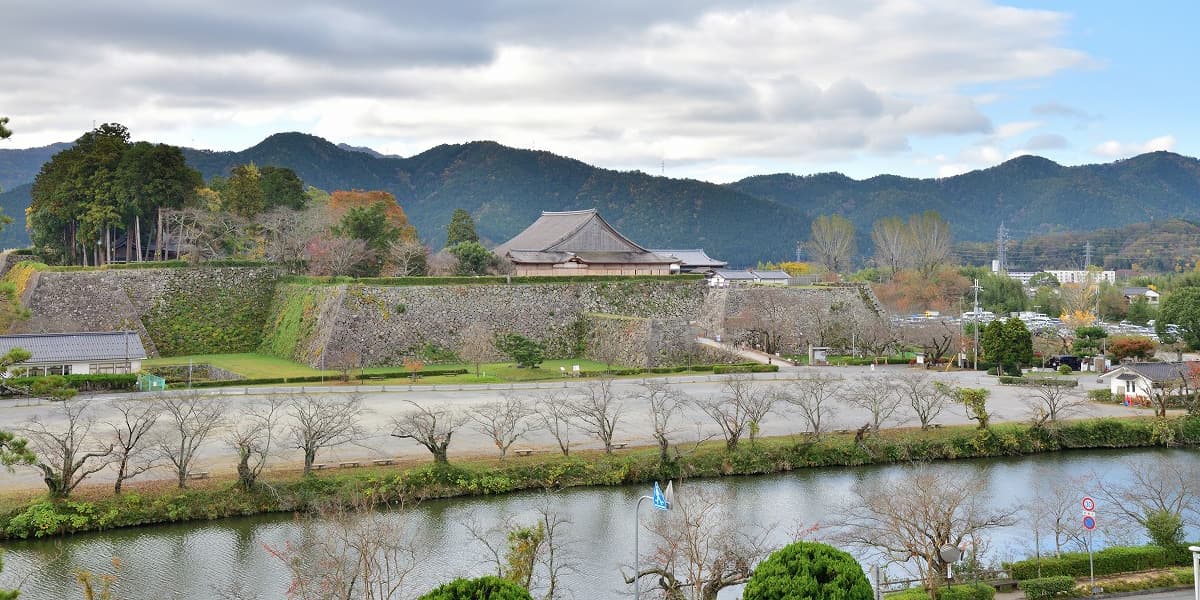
[(660, 500), (1089, 523)]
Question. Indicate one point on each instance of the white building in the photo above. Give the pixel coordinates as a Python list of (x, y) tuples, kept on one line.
[(1084, 276), (77, 353)]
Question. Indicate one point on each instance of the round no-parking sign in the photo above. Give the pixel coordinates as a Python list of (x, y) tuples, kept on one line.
[(1089, 523)]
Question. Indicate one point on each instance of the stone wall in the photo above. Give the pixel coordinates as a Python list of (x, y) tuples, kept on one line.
[(638, 342), (175, 310), (383, 324)]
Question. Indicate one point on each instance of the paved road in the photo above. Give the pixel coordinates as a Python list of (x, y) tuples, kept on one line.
[(1006, 403)]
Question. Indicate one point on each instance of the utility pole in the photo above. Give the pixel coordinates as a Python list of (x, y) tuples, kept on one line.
[(1002, 248), (975, 328)]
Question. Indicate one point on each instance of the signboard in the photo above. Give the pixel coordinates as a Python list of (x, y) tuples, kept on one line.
[(1088, 503), (660, 499), (1089, 513), (1089, 523)]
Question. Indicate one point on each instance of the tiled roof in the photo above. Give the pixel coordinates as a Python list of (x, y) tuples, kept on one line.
[(741, 275), (1158, 372), (771, 274), (559, 236), (528, 257), (60, 348), (692, 258)]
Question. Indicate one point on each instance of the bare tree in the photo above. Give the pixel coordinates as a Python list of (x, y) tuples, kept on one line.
[(252, 436), (332, 255), (442, 264), (832, 242), (61, 445), (553, 414), (318, 422), (134, 421), (741, 407), (191, 418), (429, 427), (477, 344), (890, 238), (597, 409), (349, 553), (926, 399), (287, 233), (934, 337), (535, 556), (877, 395), (1054, 510), (1155, 487), (929, 237), (816, 396), (664, 402), (407, 258), (909, 516), (1164, 393), (504, 421), (700, 549), (1048, 400)]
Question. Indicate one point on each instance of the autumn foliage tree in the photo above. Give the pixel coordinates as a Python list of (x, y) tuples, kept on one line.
[(1130, 346)]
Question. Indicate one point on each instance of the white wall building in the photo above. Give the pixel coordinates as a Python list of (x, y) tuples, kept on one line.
[(77, 353)]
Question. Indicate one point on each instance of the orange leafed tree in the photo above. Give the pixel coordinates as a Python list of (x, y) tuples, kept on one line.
[(341, 201)]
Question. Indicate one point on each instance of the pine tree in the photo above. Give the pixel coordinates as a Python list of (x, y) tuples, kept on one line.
[(461, 228)]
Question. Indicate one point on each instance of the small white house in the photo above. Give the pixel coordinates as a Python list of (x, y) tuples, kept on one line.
[(1137, 382), (1133, 293), (77, 353)]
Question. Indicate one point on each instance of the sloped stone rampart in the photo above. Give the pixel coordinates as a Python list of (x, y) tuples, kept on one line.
[(175, 310)]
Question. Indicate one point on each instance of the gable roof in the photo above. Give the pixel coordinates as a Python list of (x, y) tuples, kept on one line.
[(735, 275), (60, 348), (771, 274), (691, 258), (1155, 372), (1138, 291), (578, 234)]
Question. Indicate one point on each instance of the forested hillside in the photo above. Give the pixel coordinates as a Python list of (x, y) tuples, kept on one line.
[(758, 218)]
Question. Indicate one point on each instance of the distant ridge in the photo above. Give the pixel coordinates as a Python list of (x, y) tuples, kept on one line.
[(757, 218)]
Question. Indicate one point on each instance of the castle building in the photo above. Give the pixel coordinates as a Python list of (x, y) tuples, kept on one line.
[(580, 242)]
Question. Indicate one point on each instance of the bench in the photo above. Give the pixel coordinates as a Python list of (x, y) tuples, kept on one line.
[(523, 451), (936, 425), (620, 445), (383, 461), (353, 464), (197, 475), (318, 466)]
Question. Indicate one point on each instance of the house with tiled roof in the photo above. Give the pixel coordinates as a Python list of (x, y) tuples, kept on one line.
[(1133, 293), (1137, 381), (695, 260), (77, 353), (580, 242)]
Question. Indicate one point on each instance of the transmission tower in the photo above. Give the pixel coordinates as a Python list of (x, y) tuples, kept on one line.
[(1087, 255), (1002, 248)]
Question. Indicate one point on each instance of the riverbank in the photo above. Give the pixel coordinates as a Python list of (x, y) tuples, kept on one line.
[(25, 516)]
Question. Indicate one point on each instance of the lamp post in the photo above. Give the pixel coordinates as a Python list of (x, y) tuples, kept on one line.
[(662, 501), (1195, 550)]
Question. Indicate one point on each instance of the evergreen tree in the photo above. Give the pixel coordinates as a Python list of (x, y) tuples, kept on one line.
[(1008, 343), (808, 571), (243, 194), (281, 187), (461, 229), (473, 258)]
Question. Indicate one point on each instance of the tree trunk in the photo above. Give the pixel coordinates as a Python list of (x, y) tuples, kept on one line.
[(182, 474), (159, 239), (137, 226), (440, 455), (121, 467), (246, 477), (310, 456)]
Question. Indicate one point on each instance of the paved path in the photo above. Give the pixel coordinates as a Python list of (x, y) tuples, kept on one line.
[(384, 402)]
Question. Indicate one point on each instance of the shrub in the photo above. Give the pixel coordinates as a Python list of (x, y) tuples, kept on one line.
[(749, 368), (525, 351), (1064, 369), (483, 588), (1104, 395), (1010, 380), (806, 570), (1117, 559), (1045, 587), (955, 592)]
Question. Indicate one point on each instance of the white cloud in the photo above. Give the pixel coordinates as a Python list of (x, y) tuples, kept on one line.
[(1010, 130), (1116, 149), (623, 85)]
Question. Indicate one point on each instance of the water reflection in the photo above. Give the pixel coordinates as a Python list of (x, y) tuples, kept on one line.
[(198, 560)]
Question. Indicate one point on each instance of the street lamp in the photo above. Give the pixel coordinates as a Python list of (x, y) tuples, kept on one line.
[(1195, 550), (662, 501)]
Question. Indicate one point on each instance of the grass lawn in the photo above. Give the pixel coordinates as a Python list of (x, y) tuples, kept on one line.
[(258, 365)]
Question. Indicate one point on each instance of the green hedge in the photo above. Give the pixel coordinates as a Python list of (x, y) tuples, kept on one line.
[(486, 280), (746, 368), (326, 378), (97, 382), (1118, 559), (1010, 380), (1045, 587), (955, 592), (483, 588), (159, 264)]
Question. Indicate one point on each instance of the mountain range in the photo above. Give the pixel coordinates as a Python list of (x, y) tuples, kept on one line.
[(757, 218)]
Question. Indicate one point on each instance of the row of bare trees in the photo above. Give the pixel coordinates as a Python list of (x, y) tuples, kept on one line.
[(168, 431)]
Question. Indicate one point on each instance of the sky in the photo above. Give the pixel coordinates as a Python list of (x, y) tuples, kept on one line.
[(709, 89)]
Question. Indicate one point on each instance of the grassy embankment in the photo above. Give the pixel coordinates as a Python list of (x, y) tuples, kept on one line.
[(25, 515)]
